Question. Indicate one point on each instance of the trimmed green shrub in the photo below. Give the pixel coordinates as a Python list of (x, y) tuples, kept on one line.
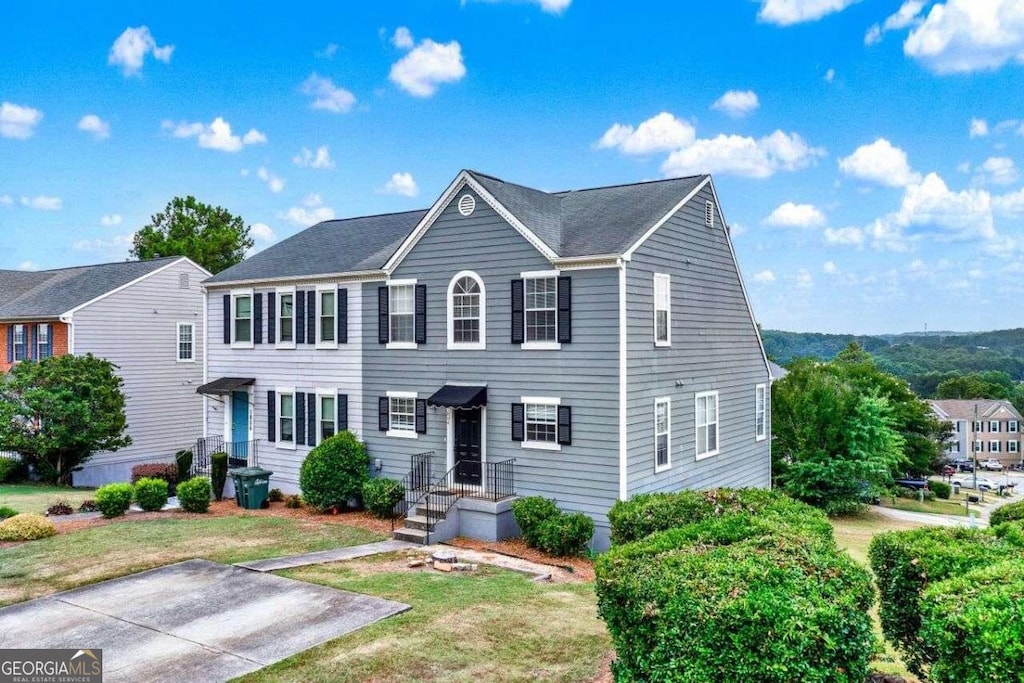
[(942, 489), (275, 495), (194, 494), (380, 495), (334, 472), (151, 494), (26, 527), (736, 597), (293, 502), (11, 469), (183, 461), (1012, 533), (113, 499), (218, 473), (168, 471), (565, 534), (974, 624), (906, 563), (6, 512), (1007, 513), (530, 512)]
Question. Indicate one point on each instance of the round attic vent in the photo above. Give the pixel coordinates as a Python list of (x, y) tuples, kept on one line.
[(466, 204)]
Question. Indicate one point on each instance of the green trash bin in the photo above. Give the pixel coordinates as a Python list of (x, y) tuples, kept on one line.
[(252, 484)]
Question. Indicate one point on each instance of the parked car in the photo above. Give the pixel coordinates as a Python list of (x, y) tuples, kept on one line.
[(984, 483), (912, 483), (1017, 467), (991, 464), (963, 465), (948, 470)]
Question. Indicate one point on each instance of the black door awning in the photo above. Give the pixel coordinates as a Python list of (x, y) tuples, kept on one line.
[(224, 385), (459, 397)]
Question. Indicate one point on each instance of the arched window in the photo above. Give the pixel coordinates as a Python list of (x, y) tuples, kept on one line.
[(466, 312)]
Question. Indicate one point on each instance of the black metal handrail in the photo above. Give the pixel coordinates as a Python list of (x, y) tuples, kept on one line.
[(240, 453), (498, 479), (415, 485)]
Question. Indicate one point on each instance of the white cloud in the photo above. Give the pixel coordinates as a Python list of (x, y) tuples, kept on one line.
[(328, 52), (960, 36), (320, 159), (851, 236), (830, 75), (216, 135), (427, 66), (660, 133), (743, 156), (830, 268), (960, 215), (326, 95), (90, 123), (110, 220), (804, 279), (43, 203), (401, 183), (549, 6), (28, 265), (262, 232), (978, 128), (402, 39), (1011, 204), (737, 103), (131, 47), (999, 171), (765, 276), (6, 200), (789, 12), (17, 121), (117, 245), (880, 162), (796, 216), (275, 183), (312, 211), (906, 15)]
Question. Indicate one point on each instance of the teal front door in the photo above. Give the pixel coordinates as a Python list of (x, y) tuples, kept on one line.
[(238, 453)]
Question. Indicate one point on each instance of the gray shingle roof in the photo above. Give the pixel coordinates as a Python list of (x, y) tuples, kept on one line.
[(49, 293), (964, 409)]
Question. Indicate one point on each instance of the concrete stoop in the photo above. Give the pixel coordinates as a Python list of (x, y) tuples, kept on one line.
[(477, 518)]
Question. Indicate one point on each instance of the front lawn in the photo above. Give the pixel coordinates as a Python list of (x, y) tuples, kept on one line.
[(97, 553), (37, 497), (933, 507)]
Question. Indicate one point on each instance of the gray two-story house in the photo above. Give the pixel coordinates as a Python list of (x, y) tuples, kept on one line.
[(587, 345)]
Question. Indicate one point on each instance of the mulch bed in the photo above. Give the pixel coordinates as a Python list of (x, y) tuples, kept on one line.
[(581, 567)]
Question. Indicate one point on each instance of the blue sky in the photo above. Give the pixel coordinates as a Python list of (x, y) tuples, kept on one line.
[(867, 154)]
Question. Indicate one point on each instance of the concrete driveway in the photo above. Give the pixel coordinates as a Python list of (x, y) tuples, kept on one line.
[(192, 621)]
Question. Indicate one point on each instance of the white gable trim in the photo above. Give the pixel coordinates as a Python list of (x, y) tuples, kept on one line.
[(464, 179), (126, 285), (643, 238)]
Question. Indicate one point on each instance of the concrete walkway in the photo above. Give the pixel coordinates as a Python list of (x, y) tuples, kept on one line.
[(981, 514), (334, 555)]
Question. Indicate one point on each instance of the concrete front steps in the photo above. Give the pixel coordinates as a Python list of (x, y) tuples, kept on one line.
[(435, 528), (485, 520)]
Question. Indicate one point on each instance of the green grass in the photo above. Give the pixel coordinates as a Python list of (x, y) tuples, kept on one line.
[(37, 497), (489, 625), (98, 553), (933, 507)]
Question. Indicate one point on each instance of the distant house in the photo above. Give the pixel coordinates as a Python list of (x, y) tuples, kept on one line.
[(146, 317), (586, 346), (988, 428)]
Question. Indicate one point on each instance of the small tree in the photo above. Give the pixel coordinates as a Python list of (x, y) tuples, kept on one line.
[(61, 410), (334, 472), (211, 236)]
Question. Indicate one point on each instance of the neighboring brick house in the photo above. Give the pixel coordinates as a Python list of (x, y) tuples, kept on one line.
[(992, 427), (144, 316)]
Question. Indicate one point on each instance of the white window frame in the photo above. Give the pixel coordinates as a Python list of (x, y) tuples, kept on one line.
[(667, 402), (280, 393), (392, 284), (320, 395), (481, 344), (1011, 446), (976, 426), (237, 294), (191, 340), (330, 343), (697, 426), (528, 401), (993, 426), (278, 327), (1012, 426), (666, 279), (528, 345), (402, 433), (761, 412), (48, 328), (24, 343), (978, 443), (993, 446)]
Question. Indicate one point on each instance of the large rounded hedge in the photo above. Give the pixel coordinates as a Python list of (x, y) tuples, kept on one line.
[(1007, 513), (334, 472)]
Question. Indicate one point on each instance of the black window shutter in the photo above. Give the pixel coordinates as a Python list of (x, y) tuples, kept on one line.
[(564, 309), (342, 412), (382, 315), (227, 318), (421, 416), (311, 419), (518, 421), (271, 317), (565, 425), (421, 314), (257, 319), (383, 412), (299, 313), (311, 317), (300, 418), (342, 315), (271, 416), (517, 312)]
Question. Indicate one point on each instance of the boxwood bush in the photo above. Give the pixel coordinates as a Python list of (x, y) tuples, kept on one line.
[(151, 494), (334, 472), (26, 527), (736, 597), (906, 563), (1012, 533), (565, 534), (113, 500), (194, 494), (380, 496), (942, 489), (530, 512), (1007, 513)]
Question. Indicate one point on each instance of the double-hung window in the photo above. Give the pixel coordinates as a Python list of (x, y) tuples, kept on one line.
[(286, 418), (1011, 426), (186, 342), (993, 446), (976, 426), (977, 446), (1011, 446), (760, 411), (662, 309), (20, 342), (662, 434), (402, 313), (286, 319), (43, 347), (327, 300), (327, 414), (707, 424), (242, 319), (993, 425), (402, 414), (540, 296), (541, 424)]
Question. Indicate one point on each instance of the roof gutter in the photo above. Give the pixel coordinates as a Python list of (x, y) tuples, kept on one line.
[(36, 318), (352, 276)]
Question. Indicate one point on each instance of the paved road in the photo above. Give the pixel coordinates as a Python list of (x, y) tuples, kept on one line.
[(981, 520)]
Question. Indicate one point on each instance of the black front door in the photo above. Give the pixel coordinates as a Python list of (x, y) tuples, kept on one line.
[(467, 446)]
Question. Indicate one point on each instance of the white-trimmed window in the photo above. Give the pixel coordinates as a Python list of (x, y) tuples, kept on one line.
[(286, 418), (662, 434), (977, 446), (976, 426), (241, 319), (402, 414), (993, 426), (467, 313), (760, 411), (286, 318), (20, 342), (186, 342), (707, 424), (993, 446), (541, 423), (327, 313), (326, 413), (955, 447), (402, 313), (43, 347), (1012, 426), (540, 306), (662, 309), (1011, 446)]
